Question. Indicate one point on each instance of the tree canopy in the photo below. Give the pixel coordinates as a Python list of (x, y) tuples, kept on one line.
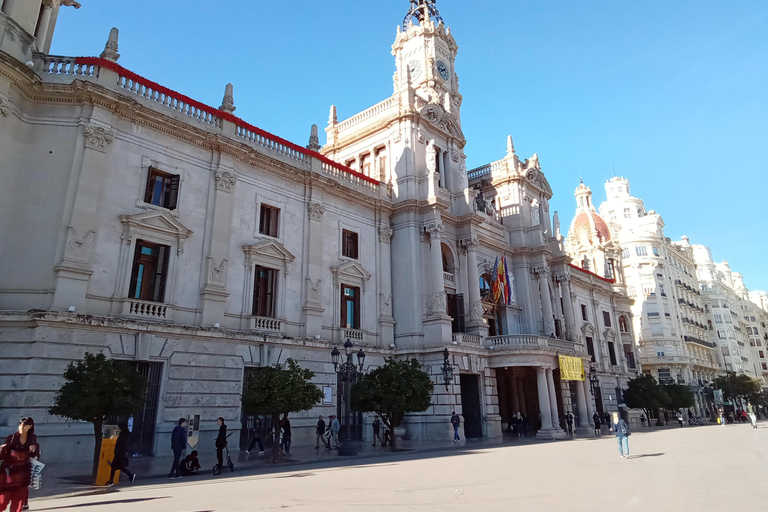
[(97, 388), (393, 390), (643, 392), (679, 396), (737, 386), (278, 390)]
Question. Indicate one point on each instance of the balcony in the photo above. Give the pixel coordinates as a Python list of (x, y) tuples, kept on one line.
[(262, 323), (353, 335), (697, 341), (530, 341), (148, 310), (462, 338), (448, 279)]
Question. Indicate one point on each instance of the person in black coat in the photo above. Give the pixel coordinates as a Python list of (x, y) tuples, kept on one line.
[(120, 459), (178, 445), (221, 441)]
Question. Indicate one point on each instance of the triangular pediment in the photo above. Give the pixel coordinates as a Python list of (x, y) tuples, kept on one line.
[(587, 328), (610, 333), (270, 249), (157, 220), (352, 269)]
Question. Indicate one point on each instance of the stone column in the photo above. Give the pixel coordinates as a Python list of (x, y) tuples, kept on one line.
[(588, 396), (544, 407), (515, 398), (384, 279), (546, 302), (568, 308), (523, 290), (313, 303), (474, 304), (521, 394), (581, 405), (553, 399), (214, 293), (42, 28), (437, 286)]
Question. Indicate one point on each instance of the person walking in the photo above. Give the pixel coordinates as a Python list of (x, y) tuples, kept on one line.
[(752, 416), (178, 445), (285, 442), (606, 419), (376, 425), (120, 459), (335, 428), (620, 428), (221, 442), (257, 438), (680, 418), (320, 433), (16, 466), (569, 422), (596, 421), (456, 422)]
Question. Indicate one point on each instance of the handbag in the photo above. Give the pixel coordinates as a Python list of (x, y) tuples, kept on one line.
[(625, 431)]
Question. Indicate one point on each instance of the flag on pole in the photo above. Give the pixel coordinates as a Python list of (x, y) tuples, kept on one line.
[(495, 284), (502, 281), (507, 282)]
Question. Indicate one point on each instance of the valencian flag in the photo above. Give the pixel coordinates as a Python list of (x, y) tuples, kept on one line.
[(495, 285)]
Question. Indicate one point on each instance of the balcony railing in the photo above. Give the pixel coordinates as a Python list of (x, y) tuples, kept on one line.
[(353, 335), (448, 279), (462, 338), (530, 341), (147, 310), (262, 323)]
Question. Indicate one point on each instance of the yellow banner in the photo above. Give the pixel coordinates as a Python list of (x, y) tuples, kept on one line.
[(571, 368)]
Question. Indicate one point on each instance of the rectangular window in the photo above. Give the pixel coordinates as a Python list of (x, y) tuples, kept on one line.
[(660, 354), (349, 244), (762, 354), (655, 251), (630, 356), (350, 307), (625, 254), (641, 250), (665, 376), (610, 272), (264, 291), (591, 349), (607, 318), (268, 220), (765, 366), (627, 213), (584, 312), (653, 314), (162, 189), (661, 290), (718, 319), (150, 268), (455, 310), (612, 353), (631, 292)]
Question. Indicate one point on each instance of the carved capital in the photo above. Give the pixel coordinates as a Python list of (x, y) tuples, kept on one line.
[(316, 210), (435, 230), (98, 138), (476, 310), (540, 271), (470, 243), (385, 233), (225, 180)]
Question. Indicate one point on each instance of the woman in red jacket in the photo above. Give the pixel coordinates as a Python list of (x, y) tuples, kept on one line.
[(16, 468)]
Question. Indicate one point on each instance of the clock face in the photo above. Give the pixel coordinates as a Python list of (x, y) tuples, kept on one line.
[(442, 70), (415, 68)]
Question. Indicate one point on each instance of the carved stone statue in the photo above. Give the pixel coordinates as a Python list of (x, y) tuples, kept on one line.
[(556, 223), (431, 157), (535, 213)]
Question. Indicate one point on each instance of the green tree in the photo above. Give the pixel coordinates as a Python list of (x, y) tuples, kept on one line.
[(97, 388), (679, 396), (740, 387), (643, 392), (278, 390), (392, 391)]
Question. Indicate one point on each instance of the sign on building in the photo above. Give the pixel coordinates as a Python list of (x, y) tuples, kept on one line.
[(571, 368)]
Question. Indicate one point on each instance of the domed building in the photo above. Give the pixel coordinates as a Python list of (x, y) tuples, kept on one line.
[(590, 242)]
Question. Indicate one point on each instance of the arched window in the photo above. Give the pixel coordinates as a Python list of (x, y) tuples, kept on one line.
[(485, 285), (623, 324)]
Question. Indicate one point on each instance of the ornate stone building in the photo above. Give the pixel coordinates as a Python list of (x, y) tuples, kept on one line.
[(162, 231)]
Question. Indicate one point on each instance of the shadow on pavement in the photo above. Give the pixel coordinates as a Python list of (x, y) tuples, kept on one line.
[(100, 503), (645, 455)]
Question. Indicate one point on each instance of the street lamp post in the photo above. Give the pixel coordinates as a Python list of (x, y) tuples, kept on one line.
[(594, 380), (447, 368), (348, 370)]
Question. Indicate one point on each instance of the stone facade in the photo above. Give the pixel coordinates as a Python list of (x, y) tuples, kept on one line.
[(176, 236)]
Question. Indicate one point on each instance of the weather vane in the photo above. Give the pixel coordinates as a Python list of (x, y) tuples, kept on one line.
[(420, 11)]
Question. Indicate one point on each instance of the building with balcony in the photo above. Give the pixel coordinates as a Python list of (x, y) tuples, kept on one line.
[(176, 236)]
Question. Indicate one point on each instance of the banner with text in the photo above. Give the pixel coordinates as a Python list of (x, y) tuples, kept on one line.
[(571, 368)]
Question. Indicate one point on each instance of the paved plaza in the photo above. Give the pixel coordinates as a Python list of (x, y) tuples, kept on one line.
[(694, 468)]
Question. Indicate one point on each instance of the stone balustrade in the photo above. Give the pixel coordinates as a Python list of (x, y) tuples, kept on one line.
[(462, 338), (531, 341), (491, 168), (346, 176), (354, 335), (147, 310), (66, 66), (262, 323), (370, 113), (448, 279), (261, 139)]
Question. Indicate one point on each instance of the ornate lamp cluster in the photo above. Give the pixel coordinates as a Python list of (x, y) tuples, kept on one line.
[(349, 371)]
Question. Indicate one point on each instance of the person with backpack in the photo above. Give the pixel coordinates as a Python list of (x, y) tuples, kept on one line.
[(376, 425), (620, 428), (120, 459), (456, 422), (16, 466), (178, 445)]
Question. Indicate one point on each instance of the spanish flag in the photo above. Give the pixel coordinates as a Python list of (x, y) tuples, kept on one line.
[(495, 284)]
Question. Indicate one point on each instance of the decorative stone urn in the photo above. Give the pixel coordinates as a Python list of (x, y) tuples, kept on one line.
[(399, 432)]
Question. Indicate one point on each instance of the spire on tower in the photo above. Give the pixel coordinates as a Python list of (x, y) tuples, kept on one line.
[(314, 140), (332, 119), (110, 49), (421, 11), (228, 103)]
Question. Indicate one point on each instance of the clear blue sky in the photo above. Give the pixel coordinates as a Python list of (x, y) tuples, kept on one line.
[(673, 94)]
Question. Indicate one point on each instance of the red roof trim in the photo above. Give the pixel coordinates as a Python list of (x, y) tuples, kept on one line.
[(612, 281), (117, 68)]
